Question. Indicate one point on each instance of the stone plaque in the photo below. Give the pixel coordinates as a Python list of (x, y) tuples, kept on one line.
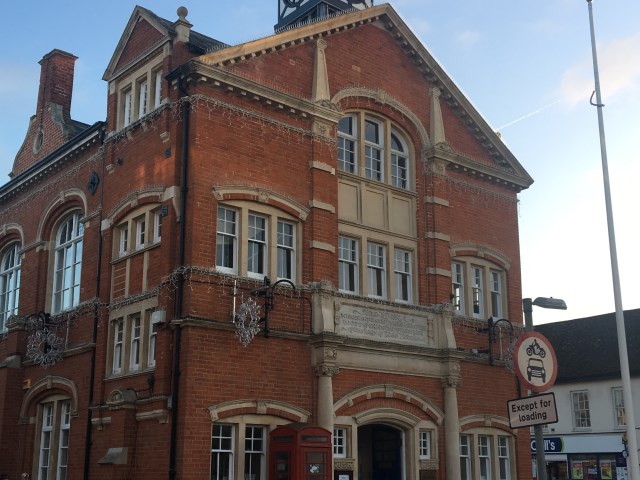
[(383, 325)]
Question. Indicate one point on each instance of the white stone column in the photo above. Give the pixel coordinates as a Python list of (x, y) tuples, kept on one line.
[(325, 375), (451, 428)]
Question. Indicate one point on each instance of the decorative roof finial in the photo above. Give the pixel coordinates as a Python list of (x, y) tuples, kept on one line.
[(182, 13)]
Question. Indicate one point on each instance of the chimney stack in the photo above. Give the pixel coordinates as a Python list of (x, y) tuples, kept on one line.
[(56, 82)]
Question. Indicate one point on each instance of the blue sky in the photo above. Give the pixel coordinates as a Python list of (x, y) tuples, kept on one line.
[(525, 65)]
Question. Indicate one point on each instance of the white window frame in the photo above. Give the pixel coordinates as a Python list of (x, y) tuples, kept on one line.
[(123, 240), (67, 256), (580, 410), (231, 236), (403, 275), (152, 343), (225, 435), (118, 346), (465, 457), (257, 246), (400, 175), (143, 97), (348, 264), (135, 344), (495, 278), (340, 439), (140, 230), (127, 108), (255, 446), (477, 291), (286, 250), (157, 89), (348, 144), (376, 270), (157, 225), (10, 268), (424, 445), (374, 152), (619, 413), (53, 430), (504, 458), (457, 286), (484, 457)]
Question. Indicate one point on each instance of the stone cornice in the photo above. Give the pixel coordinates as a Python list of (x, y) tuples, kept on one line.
[(230, 82)]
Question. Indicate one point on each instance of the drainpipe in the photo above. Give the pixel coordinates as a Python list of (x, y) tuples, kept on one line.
[(180, 290), (96, 318)]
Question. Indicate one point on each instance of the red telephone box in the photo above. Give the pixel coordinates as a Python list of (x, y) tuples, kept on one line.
[(299, 451)]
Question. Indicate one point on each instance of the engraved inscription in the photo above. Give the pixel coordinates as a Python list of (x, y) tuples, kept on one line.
[(383, 325)]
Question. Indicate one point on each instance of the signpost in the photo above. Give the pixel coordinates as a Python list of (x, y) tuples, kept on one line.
[(535, 362), (529, 411)]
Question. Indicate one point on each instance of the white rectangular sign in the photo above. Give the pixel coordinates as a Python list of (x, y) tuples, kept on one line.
[(534, 410)]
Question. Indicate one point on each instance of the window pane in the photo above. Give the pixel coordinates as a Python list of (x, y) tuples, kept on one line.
[(376, 270), (68, 264), (226, 239), (257, 246), (348, 264), (286, 257)]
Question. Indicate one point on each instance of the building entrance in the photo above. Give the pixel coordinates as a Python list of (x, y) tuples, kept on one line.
[(380, 453)]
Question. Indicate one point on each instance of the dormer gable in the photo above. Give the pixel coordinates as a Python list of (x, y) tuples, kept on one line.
[(149, 48)]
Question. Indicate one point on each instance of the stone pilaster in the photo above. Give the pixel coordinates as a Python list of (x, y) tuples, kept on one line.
[(451, 427), (325, 375)]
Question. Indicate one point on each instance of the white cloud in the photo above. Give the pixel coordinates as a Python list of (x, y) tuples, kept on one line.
[(468, 39), (619, 70)]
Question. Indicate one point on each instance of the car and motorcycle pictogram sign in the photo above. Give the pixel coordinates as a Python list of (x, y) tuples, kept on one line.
[(535, 362)]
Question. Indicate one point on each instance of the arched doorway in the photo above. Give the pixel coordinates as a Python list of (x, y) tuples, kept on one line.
[(380, 452)]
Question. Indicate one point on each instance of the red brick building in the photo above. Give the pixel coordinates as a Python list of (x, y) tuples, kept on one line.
[(335, 158)]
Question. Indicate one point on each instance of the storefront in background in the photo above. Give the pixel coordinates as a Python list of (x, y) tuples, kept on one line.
[(583, 457)]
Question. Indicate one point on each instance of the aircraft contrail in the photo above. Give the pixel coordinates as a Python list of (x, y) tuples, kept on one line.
[(528, 115)]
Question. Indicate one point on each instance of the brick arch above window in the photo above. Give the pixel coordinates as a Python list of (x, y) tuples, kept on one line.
[(132, 201), (46, 387), (65, 202), (383, 98), (11, 232), (485, 252), (266, 196), (485, 422), (395, 392), (258, 407)]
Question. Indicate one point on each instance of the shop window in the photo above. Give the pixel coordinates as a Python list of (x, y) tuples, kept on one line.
[(619, 416), (67, 263), (581, 413), (477, 275), (52, 442), (382, 146), (138, 231), (9, 283), (246, 239), (132, 343)]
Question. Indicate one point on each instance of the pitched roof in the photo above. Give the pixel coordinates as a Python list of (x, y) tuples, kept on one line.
[(587, 348), (507, 166), (198, 42)]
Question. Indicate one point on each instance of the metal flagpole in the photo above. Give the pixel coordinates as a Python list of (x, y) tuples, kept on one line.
[(632, 444)]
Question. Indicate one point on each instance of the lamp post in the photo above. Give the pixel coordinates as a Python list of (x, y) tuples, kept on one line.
[(527, 307)]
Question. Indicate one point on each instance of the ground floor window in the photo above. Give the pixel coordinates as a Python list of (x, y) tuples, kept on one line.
[(485, 455), (54, 426), (238, 448)]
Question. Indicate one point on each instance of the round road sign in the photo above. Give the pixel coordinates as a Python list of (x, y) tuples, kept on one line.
[(535, 361)]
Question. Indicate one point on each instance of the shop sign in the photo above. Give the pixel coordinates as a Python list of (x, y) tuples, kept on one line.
[(551, 445), (535, 410)]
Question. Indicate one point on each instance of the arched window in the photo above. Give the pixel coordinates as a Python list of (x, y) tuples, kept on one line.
[(68, 263), (385, 154), (9, 284)]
